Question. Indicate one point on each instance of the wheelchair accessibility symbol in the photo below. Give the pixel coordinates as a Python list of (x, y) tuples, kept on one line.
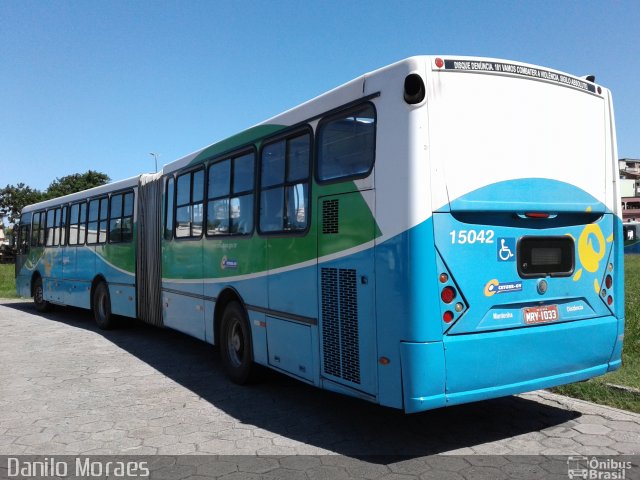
[(506, 249)]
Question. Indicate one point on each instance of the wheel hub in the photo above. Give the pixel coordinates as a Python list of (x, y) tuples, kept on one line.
[(235, 342)]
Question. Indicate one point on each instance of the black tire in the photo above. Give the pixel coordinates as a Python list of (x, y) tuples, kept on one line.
[(38, 296), (236, 349), (102, 307)]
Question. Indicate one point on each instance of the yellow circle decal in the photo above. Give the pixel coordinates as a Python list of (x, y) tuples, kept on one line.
[(589, 255)]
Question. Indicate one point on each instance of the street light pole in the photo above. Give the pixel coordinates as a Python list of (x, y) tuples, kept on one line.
[(155, 157)]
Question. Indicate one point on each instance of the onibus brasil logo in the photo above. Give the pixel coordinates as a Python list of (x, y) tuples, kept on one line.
[(595, 468)]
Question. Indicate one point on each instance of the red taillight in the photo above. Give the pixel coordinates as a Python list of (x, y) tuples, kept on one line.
[(439, 63), (448, 294), (536, 215), (609, 300), (447, 317), (608, 281)]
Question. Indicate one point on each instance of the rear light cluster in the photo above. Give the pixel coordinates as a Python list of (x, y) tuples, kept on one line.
[(452, 304), (607, 285)]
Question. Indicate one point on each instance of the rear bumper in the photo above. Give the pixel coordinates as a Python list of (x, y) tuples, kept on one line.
[(472, 367)]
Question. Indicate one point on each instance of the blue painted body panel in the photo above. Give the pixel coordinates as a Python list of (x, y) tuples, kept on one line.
[(489, 348), (290, 348), (486, 350), (67, 275), (526, 195), (489, 360)]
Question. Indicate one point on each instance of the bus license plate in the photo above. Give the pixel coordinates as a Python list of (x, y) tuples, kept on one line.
[(548, 313)]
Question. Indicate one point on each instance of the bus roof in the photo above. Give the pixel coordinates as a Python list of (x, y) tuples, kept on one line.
[(92, 192), (342, 95), (354, 89)]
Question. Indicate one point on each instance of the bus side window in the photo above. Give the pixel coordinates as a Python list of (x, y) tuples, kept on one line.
[(197, 200), (41, 228), (218, 196), (284, 195), (35, 222), (50, 228), (230, 196), (127, 217), (92, 223), (63, 226), (82, 224), (189, 204), (24, 234), (102, 227), (241, 201), (168, 211), (121, 217), (74, 226), (115, 218), (56, 227), (346, 144), (97, 224)]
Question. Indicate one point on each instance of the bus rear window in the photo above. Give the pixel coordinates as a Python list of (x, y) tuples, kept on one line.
[(545, 256)]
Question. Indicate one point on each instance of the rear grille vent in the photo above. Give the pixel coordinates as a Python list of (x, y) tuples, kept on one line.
[(340, 337), (330, 216)]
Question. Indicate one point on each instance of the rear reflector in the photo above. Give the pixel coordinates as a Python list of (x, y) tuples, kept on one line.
[(448, 294)]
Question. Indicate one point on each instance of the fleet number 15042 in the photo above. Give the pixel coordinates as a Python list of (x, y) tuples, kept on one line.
[(471, 236)]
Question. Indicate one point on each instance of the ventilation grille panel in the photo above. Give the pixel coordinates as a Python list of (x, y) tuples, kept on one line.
[(340, 336), (330, 216), (330, 322)]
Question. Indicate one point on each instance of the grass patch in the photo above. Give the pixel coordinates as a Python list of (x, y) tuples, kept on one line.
[(7, 281), (596, 389)]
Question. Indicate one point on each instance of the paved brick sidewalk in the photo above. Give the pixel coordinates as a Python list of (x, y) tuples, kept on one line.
[(67, 388)]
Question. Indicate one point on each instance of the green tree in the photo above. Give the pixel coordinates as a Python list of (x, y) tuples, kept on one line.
[(14, 197), (76, 183)]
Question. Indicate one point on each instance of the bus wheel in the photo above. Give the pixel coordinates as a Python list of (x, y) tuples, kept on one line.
[(38, 296), (235, 344), (102, 307)]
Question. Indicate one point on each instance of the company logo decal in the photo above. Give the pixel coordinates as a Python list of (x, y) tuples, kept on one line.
[(493, 287), (228, 263)]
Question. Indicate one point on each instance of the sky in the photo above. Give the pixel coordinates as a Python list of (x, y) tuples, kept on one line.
[(101, 84)]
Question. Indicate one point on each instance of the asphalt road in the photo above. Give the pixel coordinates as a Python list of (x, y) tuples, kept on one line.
[(68, 388)]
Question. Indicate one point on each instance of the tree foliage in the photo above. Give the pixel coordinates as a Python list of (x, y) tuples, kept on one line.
[(13, 198), (76, 183)]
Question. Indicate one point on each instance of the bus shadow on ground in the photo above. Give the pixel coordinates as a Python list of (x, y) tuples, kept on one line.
[(322, 419)]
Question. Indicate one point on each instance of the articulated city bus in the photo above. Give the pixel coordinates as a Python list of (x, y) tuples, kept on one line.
[(439, 231)]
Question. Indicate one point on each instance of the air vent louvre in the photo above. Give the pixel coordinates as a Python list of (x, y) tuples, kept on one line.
[(340, 336), (330, 210)]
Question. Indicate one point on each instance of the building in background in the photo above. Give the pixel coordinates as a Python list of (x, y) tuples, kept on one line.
[(630, 188)]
